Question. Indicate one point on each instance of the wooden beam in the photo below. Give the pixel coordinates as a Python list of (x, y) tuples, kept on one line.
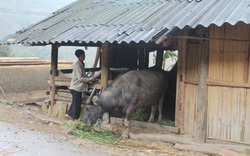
[(201, 110), (208, 39), (104, 64), (159, 58), (141, 58), (211, 82), (168, 41), (97, 57), (146, 125), (30, 101), (180, 85), (146, 57), (54, 72), (67, 71), (193, 82), (66, 82)]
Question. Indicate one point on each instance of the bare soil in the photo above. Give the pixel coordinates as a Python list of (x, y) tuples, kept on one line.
[(31, 116)]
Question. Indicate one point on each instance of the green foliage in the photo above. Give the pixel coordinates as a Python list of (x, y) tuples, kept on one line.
[(5, 51), (166, 123), (168, 54), (141, 114), (83, 130)]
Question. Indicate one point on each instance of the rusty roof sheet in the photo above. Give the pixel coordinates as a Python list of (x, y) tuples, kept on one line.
[(86, 21)]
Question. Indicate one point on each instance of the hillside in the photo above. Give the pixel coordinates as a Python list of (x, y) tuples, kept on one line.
[(16, 15)]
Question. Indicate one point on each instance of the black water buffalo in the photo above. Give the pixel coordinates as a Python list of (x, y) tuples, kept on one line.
[(127, 92)]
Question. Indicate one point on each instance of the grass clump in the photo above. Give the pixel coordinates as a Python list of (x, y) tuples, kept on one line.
[(6, 102), (83, 130), (141, 114), (166, 123)]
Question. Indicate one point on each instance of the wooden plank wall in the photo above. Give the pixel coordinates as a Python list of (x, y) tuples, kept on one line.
[(228, 84), (191, 88)]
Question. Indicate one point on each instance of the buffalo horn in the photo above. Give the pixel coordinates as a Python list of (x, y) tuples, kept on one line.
[(91, 96)]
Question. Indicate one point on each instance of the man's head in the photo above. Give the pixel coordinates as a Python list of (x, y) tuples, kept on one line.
[(80, 54)]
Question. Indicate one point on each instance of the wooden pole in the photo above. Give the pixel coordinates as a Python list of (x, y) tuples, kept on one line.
[(201, 120), (97, 56), (141, 58), (159, 58), (146, 57), (53, 73), (104, 64), (180, 85), (208, 39)]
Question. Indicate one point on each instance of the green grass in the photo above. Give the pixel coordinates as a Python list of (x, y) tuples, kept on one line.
[(7, 102), (141, 114), (166, 123), (83, 130)]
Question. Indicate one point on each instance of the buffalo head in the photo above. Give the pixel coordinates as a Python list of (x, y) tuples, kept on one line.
[(92, 111)]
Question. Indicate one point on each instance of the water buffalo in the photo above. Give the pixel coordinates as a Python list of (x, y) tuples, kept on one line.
[(137, 88)]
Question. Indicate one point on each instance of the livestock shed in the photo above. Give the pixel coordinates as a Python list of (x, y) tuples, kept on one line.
[(212, 38)]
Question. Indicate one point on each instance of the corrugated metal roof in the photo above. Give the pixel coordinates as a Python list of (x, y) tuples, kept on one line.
[(129, 21)]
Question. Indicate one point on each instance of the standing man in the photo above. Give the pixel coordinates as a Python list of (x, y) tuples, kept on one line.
[(78, 84)]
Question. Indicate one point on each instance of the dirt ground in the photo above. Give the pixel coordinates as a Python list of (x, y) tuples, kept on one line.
[(26, 116)]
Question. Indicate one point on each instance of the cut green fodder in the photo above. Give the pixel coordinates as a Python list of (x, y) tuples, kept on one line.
[(141, 114), (83, 130), (166, 123)]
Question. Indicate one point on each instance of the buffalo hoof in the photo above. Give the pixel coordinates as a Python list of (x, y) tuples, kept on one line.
[(151, 120), (125, 135)]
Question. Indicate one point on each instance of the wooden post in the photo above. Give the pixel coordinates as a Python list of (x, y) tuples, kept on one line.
[(53, 73), (146, 57), (201, 120), (97, 56), (143, 58), (104, 64), (159, 58), (180, 85)]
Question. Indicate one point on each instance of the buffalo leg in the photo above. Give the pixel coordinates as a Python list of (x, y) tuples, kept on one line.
[(123, 121), (125, 134), (160, 106), (127, 121), (160, 112), (106, 118), (152, 115)]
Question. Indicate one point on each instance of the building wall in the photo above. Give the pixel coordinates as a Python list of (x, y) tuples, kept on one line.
[(228, 113)]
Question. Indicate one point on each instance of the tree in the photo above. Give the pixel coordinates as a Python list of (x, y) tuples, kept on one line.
[(5, 51)]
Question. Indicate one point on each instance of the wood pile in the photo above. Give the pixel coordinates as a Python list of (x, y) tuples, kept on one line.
[(10, 61), (63, 95)]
